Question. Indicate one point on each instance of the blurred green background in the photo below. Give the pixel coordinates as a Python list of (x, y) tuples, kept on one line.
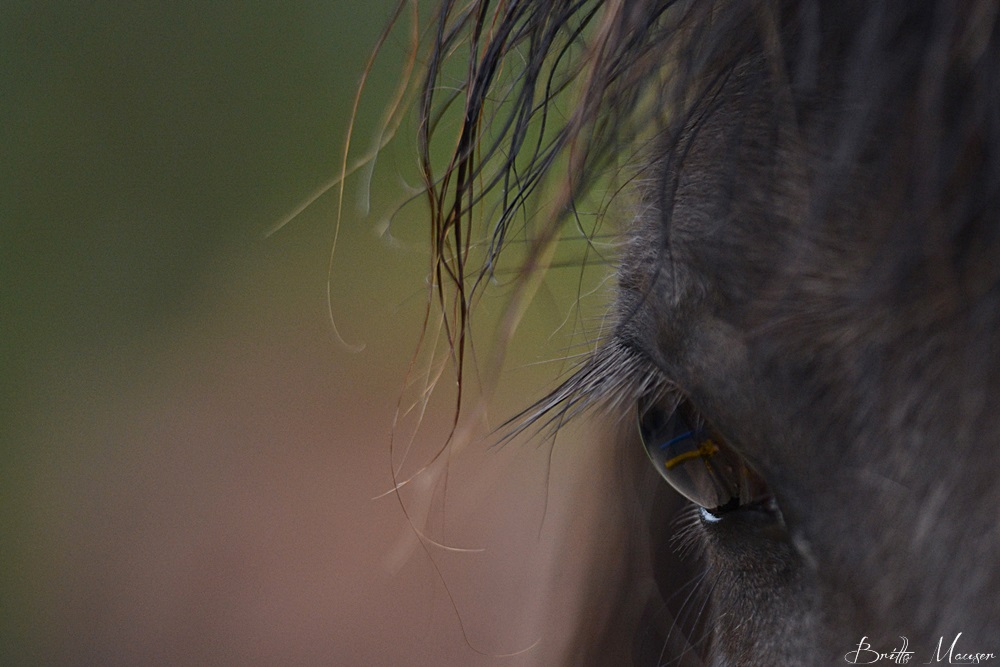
[(190, 459)]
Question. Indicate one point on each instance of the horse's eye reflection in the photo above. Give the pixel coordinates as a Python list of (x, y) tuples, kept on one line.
[(696, 461)]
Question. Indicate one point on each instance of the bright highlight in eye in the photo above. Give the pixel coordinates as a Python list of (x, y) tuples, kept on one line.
[(697, 462)]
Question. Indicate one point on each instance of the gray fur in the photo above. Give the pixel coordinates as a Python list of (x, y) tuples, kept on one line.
[(815, 267)]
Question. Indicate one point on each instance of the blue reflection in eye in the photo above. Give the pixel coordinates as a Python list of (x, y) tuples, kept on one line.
[(677, 452)]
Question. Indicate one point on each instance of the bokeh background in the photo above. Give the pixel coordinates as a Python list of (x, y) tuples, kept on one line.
[(194, 468)]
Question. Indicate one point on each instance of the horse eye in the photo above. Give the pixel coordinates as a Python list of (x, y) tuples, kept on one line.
[(696, 460)]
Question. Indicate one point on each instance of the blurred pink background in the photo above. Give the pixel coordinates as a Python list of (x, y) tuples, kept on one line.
[(195, 470)]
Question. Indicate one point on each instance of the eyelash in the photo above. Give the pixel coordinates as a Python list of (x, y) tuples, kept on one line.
[(618, 379), (611, 380)]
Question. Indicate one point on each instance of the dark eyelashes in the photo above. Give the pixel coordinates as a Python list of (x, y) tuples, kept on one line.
[(611, 380)]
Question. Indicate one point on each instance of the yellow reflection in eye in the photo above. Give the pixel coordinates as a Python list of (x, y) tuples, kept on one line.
[(705, 449), (696, 461)]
